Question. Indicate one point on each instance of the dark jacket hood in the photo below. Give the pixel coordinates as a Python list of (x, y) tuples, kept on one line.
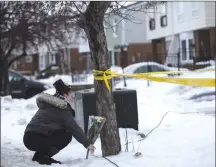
[(45, 100)]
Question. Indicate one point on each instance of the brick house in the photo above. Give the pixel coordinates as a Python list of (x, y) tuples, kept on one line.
[(27, 65), (67, 58), (188, 27)]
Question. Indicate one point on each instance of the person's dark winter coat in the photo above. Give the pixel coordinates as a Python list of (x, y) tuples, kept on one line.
[(52, 127), (55, 114)]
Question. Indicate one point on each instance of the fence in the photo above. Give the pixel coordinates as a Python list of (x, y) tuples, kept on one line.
[(182, 59), (190, 59)]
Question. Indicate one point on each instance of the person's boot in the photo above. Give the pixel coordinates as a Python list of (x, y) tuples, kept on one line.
[(54, 161), (44, 159), (53, 151), (37, 156)]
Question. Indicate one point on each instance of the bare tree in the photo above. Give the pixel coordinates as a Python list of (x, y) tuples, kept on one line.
[(90, 17), (92, 22), (27, 27)]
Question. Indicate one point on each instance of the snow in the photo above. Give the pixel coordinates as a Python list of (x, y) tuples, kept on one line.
[(83, 48), (80, 78), (211, 62), (185, 138)]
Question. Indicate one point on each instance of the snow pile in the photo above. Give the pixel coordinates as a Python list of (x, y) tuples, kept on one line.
[(212, 67), (182, 140), (211, 62), (78, 79), (116, 69), (82, 79)]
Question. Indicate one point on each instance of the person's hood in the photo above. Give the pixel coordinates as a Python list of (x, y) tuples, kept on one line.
[(45, 100)]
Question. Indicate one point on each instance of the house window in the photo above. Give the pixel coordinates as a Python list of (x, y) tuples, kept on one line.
[(163, 13), (191, 48), (152, 18), (163, 21), (152, 24), (194, 9), (42, 62), (53, 59), (180, 10), (183, 49)]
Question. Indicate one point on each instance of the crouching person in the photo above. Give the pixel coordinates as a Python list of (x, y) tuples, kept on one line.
[(52, 127)]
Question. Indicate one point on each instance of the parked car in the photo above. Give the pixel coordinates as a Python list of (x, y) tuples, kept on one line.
[(144, 67), (22, 87), (49, 71)]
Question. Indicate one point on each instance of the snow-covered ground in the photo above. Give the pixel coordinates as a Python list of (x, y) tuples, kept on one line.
[(78, 79), (182, 140)]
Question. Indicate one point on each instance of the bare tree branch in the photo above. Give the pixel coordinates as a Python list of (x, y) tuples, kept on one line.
[(16, 58)]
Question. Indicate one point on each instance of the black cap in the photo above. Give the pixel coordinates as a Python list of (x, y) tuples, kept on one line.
[(61, 88)]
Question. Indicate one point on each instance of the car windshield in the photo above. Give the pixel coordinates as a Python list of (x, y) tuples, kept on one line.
[(15, 76)]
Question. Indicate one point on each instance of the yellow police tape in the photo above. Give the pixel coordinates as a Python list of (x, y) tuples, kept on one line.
[(205, 82)]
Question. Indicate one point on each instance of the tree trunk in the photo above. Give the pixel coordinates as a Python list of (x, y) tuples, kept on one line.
[(4, 83), (94, 29)]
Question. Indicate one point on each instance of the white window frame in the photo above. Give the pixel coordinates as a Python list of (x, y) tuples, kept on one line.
[(194, 9), (42, 62), (188, 58), (53, 58), (180, 11)]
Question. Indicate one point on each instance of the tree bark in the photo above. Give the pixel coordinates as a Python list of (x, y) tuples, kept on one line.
[(4, 83), (92, 23)]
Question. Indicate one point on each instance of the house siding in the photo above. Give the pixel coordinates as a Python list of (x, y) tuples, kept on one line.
[(111, 40), (189, 23), (135, 30), (139, 52), (210, 13), (132, 31), (205, 18), (160, 32), (74, 59), (27, 68)]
